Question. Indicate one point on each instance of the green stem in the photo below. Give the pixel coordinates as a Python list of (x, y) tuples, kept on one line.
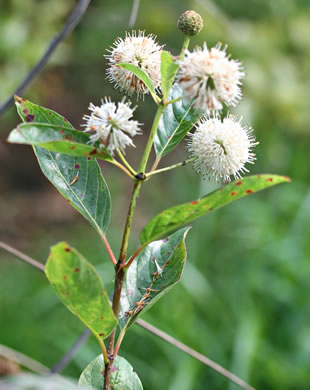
[(149, 144), (181, 56), (117, 164), (174, 100), (126, 163), (132, 206), (127, 265), (119, 279), (119, 341), (103, 348), (120, 271), (180, 164), (184, 47)]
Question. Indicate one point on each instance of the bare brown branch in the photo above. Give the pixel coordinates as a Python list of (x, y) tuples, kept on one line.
[(22, 256), (23, 360), (196, 355)]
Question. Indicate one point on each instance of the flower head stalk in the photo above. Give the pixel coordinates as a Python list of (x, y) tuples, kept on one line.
[(221, 148), (210, 78), (139, 50), (112, 124)]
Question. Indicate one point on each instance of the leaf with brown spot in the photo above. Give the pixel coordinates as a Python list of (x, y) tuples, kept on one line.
[(80, 288), (173, 218), (60, 139), (60, 169), (153, 273)]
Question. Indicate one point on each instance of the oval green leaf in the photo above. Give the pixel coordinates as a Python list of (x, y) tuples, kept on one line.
[(78, 179), (80, 288), (59, 139), (168, 70), (122, 375), (175, 217), (152, 274), (176, 121), (142, 76)]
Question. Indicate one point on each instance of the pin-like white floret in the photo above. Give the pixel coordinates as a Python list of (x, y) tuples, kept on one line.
[(138, 50), (221, 148), (210, 78), (112, 124)]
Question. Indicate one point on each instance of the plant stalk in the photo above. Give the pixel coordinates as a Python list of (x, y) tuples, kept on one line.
[(120, 272), (126, 163), (108, 248), (119, 341), (180, 164), (127, 265), (121, 264), (185, 46), (149, 144), (124, 169)]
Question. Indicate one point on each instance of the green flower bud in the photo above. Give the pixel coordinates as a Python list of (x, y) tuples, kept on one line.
[(190, 23)]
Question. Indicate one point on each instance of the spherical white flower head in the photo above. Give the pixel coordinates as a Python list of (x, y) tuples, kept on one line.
[(112, 125), (138, 50), (221, 148), (211, 78)]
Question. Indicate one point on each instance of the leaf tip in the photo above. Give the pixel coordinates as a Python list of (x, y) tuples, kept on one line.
[(287, 179), (17, 100)]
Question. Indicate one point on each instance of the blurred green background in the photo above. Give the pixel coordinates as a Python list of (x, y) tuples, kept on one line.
[(244, 297)]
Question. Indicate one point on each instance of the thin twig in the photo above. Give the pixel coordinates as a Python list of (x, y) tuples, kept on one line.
[(66, 359), (180, 164), (22, 256), (128, 264), (119, 342), (196, 355), (72, 21), (150, 328), (134, 13), (23, 360), (126, 163), (108, 248), (156, 162), (124, 169)]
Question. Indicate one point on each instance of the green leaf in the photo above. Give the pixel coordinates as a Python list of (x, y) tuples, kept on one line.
[(59, 139), (26, 381), (168, 70), (122, 375), (138, 72), (152, 274), (78, 285), (176, 121), (78, 179), (177, 216)]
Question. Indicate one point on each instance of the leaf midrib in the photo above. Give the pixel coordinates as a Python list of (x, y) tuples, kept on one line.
[(169, 140), (71, 190)]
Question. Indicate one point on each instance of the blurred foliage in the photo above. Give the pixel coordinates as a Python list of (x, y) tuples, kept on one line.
[(243, 298), (25, 29)]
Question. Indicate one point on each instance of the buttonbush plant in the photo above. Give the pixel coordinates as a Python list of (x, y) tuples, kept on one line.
[(190, 90)]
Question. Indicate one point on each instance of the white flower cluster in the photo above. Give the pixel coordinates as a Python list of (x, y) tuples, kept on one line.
[(112, 124), (209, 78), (138, 50), (221, 148)]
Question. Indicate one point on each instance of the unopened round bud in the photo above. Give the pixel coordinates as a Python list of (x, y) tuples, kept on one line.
[(190, 23)]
